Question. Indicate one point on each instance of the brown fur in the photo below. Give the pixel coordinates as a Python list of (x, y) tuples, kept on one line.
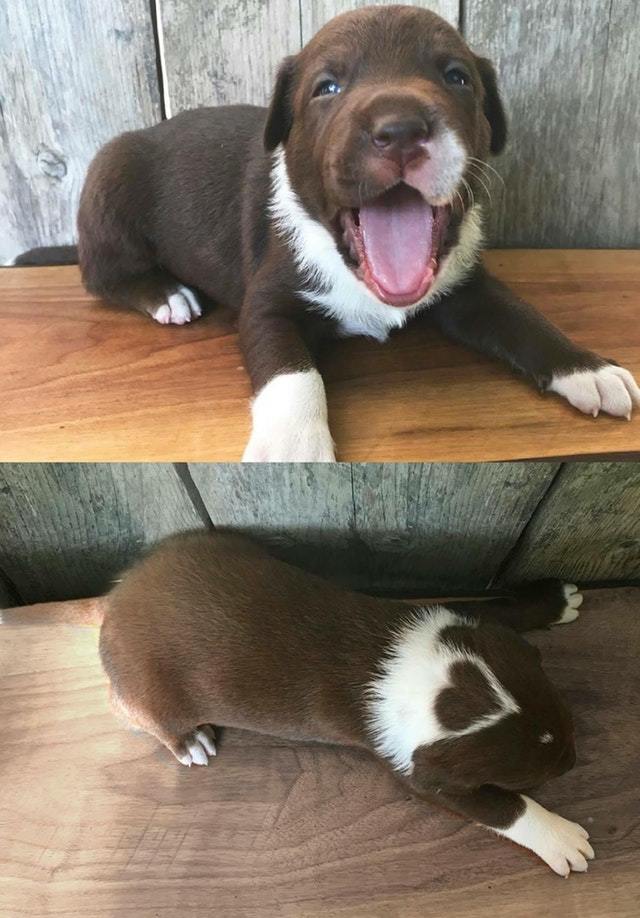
[(209, 629), (187, 199)]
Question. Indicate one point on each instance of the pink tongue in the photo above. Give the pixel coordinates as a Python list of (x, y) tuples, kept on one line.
[(397, 232)]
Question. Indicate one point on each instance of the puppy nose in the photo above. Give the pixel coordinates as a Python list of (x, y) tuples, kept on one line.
[(400, 139)]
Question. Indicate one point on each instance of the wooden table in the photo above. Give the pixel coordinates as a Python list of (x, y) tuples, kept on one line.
[(99, 821), (83, 382)]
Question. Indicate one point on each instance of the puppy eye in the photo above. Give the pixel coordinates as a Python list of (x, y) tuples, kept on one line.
[(327, 88), (456, 76)]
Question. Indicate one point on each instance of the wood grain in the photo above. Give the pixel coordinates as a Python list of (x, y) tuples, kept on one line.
[(564, 70), (71, 79), (381, 527), (441, 527), (304, 513), (69, 530), (99, 821), (82, 382), (587, 527), (225, 52), (315, 14)]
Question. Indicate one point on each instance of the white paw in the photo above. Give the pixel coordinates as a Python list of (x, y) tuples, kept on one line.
[(574, 600), (610, 389), (290, 421), (181, 307), (561, 844), (309, 443), (199, 746)]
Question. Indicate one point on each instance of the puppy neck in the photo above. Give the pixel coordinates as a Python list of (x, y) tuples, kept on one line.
[(400, 701)]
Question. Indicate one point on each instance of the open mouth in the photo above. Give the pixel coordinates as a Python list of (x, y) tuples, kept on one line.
[(394, 244)]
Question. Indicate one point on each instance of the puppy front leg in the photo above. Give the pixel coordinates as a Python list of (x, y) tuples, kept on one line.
[(289, 411), (561, 844), (485, 315), (540, 604)]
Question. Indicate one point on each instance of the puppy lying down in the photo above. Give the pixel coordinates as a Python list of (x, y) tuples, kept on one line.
[(208, 629)]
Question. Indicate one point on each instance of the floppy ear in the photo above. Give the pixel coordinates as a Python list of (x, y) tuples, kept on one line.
[(453, 763), (493, 108), (280, 115)]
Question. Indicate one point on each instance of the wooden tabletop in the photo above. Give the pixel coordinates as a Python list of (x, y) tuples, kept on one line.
[(80, 381), (96, 820)]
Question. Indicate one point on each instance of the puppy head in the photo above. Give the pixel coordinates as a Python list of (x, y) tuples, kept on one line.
[(504, 722), (382, 115)]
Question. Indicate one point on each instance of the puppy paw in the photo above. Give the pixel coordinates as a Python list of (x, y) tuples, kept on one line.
[(182, 306), (573, 599), (311, 443), (610, 389), (290, 421), (561, 844), (198, 746)]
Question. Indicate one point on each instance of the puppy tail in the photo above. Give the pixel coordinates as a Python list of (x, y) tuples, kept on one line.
[(73, 612), (48, 255)]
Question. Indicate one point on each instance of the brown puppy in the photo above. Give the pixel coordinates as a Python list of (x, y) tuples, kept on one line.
[(209, 629), (347, 208)]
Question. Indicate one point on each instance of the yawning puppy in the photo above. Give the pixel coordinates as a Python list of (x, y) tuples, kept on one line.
[(209, 629), (346, 208)]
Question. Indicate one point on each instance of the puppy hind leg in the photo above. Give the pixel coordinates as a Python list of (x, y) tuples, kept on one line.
[(161, 297), (191, 745), (155, 293)]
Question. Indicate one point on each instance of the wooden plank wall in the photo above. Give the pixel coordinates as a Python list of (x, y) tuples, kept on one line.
[(72, 75), (68, 530), (70, 79), (574, 152)]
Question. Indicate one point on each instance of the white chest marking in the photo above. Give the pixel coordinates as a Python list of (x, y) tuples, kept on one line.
[(333, 288), (402, 700)]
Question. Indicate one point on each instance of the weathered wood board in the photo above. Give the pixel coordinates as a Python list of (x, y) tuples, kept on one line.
[(304, 513), (382, 527), (72, 75), (315, 13), (587, 529), (445, 527), (224, 52), (68, 530), (565, 70)]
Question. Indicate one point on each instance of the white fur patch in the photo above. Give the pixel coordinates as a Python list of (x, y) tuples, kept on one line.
[(438, 177), (401, 701), (199, 746), (561, 844), (290, 422), (333, 288), (610, 389), (574, 600), (181, 307)]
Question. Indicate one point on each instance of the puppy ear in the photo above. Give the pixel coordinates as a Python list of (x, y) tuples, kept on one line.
[(493, 108), (280, 115), (451, 763)]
